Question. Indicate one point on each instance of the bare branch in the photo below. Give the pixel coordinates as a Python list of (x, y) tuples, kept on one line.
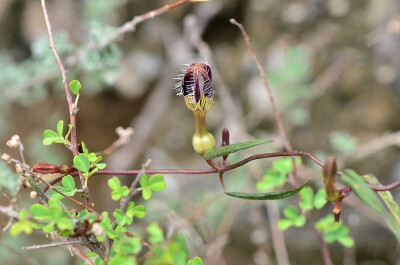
[(71, 105), (270, 95), (51, 245)]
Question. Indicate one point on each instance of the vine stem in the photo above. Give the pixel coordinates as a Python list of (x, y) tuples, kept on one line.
[(324, 247), (211, 170), (72, 107), (271, 98)]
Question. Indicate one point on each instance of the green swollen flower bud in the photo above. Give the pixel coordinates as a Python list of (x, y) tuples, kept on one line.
[(196, 86)]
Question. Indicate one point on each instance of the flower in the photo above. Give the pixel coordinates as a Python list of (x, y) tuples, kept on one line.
[(196, 87)]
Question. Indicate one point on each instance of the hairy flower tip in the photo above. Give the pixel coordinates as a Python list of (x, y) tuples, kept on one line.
[(196, 86)]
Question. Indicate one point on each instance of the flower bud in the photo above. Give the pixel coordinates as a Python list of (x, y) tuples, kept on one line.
[(6, 158), (225, 140), (18, 168), (196, 87), (14, 141), (45, 168), (329, 172), (33, 194)]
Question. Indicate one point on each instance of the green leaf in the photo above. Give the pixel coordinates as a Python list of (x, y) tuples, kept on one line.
[(324, 222), (119, 215), (21, 226), (140, 211), (50, 137), (68, 182), (320, 199), (363, 191), (49, 227), (116, 195), (195, 261), (156, 233), (99, 261), (307, 199), (157, 182), (82, 214), (267, 196), (39, 211), (101, 165), (124, 191), (75, 86), (131, 246), (300, 221), (347, 241), (228, 149), (65, 224), (23, 214), (114, 183), (144, 180), (81, 163), (394, 219), (284, 224), (55, 194), (84, 148), (60, 128), (147, 193), (291, 213), (285, 165), (92, 172), (272, 179), (54, 203)]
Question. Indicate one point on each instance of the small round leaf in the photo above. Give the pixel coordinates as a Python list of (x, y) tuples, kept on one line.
[(75, 86), (82, 163)]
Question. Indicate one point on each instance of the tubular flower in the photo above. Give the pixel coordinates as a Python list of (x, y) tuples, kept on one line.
[(196, 87)]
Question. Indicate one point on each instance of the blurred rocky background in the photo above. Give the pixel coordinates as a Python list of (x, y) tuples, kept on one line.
[(333, 66)]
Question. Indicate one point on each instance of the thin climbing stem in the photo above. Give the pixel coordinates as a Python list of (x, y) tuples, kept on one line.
[(271, 98), (71, 105)]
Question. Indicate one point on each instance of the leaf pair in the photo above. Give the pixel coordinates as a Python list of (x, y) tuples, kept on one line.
[(127, 218), (54, 215), (309, 201), (68, 187), (293, 218), (155, 183), (118, 191), (51, 137), (88, 163), (276, 175), (333, 231)]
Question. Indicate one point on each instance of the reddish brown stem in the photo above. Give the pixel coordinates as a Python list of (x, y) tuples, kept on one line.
[(386, 188), (324, 247), (221, 180), (71, 105), (278, 120)]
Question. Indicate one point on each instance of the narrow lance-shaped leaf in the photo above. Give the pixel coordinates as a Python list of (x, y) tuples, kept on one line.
[(267, 196), (387, 197), (228, 149), (363, 191)]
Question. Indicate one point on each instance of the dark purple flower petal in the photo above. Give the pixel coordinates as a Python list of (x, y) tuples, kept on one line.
[(187, 83)]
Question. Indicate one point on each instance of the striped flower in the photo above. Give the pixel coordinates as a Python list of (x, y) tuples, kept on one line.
[(196, 87)]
